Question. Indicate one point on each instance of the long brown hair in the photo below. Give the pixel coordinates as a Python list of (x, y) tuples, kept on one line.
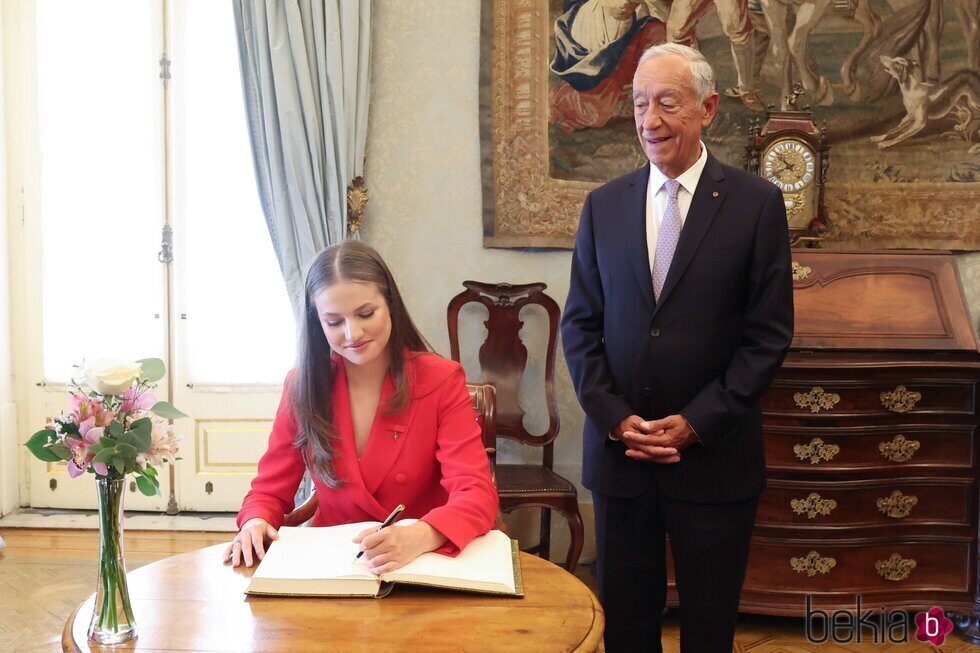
[(312, 385)]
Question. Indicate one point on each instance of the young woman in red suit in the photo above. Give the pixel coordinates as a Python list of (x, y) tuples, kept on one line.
[(377, 418)]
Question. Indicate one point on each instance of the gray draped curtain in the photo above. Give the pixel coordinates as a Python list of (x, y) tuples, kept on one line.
[(304, 66)]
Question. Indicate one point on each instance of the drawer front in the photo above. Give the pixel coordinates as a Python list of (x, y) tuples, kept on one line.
[(829, 567), (898, 502), (840, 397), (897, 448)]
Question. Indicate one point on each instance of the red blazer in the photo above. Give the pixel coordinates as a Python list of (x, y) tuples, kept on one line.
[(429, 456)]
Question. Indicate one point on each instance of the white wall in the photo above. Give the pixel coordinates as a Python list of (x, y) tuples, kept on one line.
[(8, 418)]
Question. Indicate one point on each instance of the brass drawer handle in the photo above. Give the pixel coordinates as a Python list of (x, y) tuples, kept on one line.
[(897, 505), (896, 568), (899, 450), (816, 400), (813, 506), (800, 272), (816, 451), (900, 400), (812, 564)]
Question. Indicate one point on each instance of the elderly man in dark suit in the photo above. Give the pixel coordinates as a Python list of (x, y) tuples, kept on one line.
[(679, 313)]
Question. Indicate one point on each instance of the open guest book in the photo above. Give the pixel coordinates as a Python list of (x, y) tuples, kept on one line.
[(320, 562)]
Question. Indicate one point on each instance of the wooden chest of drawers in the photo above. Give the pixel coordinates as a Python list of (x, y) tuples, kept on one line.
[(871, 437), (871, 433)]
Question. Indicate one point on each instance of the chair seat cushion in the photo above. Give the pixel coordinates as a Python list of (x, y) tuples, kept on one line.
[(530, 479)]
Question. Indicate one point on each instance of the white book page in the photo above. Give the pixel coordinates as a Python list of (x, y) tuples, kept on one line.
[(312, 553), (486, 559)]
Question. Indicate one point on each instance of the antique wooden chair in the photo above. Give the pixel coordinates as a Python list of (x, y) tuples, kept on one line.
[(503, 358), (484, 402)]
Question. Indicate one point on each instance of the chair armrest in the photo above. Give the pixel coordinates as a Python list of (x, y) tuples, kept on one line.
[(303, 513)]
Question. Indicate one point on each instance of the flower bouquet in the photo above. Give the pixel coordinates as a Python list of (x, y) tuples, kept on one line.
[(116, 427)]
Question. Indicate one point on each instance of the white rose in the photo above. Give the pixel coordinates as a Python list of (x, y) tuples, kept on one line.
[(112, 376)]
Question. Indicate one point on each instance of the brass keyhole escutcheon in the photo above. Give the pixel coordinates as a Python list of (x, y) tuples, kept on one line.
[(132, 486), (53, 484), (209, 487)]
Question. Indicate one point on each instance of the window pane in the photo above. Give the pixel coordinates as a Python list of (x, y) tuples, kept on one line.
[(99, 105), (239, 326)]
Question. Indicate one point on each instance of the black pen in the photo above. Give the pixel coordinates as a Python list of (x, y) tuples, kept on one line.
[(387, 522)]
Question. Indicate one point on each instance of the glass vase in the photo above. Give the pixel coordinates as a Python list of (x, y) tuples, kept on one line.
[(112, 620)]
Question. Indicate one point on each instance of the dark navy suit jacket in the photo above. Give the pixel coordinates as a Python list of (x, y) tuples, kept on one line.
[(707, 350)]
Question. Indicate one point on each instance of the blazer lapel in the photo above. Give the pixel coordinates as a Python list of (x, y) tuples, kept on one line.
[(346, 463), (636, 232), (388, 435), (704, 206)]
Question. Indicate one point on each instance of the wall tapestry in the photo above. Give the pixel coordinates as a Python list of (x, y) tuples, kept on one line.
[(896, 83)]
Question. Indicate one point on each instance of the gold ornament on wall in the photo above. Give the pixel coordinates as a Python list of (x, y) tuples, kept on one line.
[(357, 199)]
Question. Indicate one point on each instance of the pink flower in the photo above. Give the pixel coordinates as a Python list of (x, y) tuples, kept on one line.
[(85, 407), (132, 402), (164, 445), (81, 457)]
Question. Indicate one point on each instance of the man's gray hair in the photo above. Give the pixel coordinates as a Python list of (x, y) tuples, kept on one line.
[(702, 76)]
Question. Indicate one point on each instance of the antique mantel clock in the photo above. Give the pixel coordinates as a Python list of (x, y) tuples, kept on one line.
[(791, 152)]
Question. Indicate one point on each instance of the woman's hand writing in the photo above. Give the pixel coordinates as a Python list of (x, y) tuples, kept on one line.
[(396, 546)]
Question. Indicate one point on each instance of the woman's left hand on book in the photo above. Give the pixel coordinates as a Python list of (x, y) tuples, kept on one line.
[(390, 548)]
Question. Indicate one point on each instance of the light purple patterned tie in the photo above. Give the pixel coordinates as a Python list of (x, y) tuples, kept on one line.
[(670, 232)]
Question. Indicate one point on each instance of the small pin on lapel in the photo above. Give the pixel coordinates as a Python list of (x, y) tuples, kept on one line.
[(714, 194), (394, 436)]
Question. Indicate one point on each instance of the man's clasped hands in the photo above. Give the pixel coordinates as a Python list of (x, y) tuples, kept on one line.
[(655, 441)]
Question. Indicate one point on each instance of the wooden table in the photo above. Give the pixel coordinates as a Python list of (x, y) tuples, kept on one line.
[(193, 602)]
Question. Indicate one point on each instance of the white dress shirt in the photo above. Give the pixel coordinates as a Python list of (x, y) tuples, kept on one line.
[(657, 199)]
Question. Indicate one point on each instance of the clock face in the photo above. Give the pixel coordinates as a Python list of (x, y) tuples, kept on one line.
[(789, 163)]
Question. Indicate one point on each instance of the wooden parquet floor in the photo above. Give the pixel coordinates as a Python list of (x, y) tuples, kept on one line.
[(45, 574)]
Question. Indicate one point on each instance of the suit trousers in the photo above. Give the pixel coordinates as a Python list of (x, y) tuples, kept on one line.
[(710, 546)]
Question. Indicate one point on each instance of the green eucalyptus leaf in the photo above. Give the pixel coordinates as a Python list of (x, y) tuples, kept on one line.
[(119, 463), (37, 443), (142, 437), (115, 429), (141, 423), (105, 455), (151, 369), (166, 410), (150, 470), (60, 450), (127, 451), (148, 485)]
